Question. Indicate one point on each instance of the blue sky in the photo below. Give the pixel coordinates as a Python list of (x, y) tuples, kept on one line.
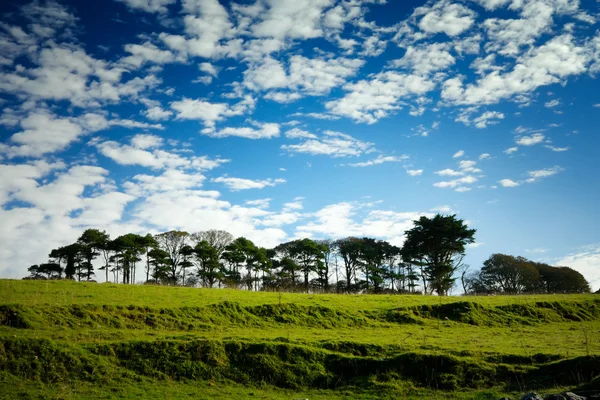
[(279, 119)]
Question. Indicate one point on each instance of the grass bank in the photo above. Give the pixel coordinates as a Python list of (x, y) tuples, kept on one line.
[(74, 340)]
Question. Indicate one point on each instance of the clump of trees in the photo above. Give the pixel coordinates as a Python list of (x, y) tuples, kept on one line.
[(427, 263), (506, 274)]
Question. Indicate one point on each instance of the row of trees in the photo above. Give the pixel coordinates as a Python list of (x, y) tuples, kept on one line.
[(507, 274), (427, 263)]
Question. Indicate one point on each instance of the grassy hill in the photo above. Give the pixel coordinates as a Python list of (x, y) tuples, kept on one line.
[(62, 339)]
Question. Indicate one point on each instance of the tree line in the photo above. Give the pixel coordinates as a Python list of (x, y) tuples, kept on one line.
[(428, 261), (506, 274)]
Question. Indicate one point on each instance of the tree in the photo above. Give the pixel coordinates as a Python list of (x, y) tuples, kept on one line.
[(434, 243), (560, 280), (172, 242), (51, 270), (328, 249), (218, 239), (209, 268), (504, 273), (158, 259), (149, 243), (129, 248), (92, 241), (239, 253), (508, 274), (349, 250), (305, 253), (70, 255)]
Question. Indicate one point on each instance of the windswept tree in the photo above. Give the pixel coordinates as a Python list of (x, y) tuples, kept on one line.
[(349, 250), (92, 241), (173, 242), (51, 270), (209, 269), (158, 261), (435, 243), (148, 242), (329, 259), (70, 255), (130, 248), (239, 254), (306, 253)]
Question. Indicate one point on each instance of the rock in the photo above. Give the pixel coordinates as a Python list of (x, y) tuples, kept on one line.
[(506, 398), (532, 396), (556, 397), (572, 396)]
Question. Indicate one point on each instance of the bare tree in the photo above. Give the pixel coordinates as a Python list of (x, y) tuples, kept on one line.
[(216, 238), (173, 242)]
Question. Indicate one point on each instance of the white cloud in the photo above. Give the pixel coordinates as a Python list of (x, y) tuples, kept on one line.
[(283, 97), (144, 141), (448, 18), (556, 149), (426, 59), (448, 172), (379, 160), (66, 72), (511, 150), (236, 184), (552, 103), (151, 6), (543, 173), (263, 131), (530, 140), (282, 19), (297, 133), (144, 53), (209, 69), (414, 172), (586, 261), (144, 151), (462, 189), (488, 118), (44, 132), (347, 219), (259, 203), (334, 144), (459, 154), (550, 63), (316, 116), (169, 180), (209, 31), (313, 77), (508, 183), (485, 156), (210, 113), (17, 177), (370, 100), (157, 114), (466, 180)]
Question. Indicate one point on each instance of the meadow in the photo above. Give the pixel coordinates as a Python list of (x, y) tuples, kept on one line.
[(64, 339)]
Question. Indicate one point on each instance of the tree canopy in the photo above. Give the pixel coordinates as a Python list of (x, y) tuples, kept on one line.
[(429, 262), (434, 245)]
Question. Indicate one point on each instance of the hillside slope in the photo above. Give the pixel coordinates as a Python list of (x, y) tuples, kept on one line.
[(100, 340)]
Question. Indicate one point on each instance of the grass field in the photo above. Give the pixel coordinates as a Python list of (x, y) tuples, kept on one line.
[(63, 339)]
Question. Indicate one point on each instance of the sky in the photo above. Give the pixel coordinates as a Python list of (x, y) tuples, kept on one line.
[(284, 119)]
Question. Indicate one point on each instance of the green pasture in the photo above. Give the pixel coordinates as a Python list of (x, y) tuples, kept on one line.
[(63, 339)]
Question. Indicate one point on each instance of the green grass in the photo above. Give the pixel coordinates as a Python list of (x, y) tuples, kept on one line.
[(63, 339)]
